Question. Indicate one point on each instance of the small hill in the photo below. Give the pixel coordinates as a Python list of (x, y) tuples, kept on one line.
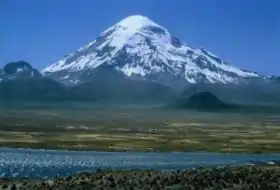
[(203, 101), (246, 94)]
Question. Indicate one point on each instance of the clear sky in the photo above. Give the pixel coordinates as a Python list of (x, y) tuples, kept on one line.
[(244, 32)]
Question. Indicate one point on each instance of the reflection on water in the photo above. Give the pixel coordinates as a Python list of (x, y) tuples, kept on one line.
[(51, 163)]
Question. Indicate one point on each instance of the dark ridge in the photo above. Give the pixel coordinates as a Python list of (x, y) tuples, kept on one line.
[(12, 67), (176, 42), (156, 30)]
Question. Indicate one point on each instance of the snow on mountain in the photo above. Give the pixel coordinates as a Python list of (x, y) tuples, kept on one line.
[(138, 47)]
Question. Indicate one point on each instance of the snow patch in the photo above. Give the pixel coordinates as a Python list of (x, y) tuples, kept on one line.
[(133, 70), (19, 70)]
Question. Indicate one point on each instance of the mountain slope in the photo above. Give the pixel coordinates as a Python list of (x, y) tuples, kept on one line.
[(108, 86), (111, 86), (141, 49), (33, 89)]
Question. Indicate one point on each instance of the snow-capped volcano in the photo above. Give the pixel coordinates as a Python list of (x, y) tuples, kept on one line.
[(140, 48)]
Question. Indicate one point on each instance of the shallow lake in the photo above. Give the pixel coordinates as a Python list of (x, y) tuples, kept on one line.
[(17, 163)]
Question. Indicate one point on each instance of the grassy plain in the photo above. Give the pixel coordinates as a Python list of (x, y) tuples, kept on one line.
[(136, 128)]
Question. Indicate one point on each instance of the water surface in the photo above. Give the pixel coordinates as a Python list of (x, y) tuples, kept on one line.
[(17, 163)]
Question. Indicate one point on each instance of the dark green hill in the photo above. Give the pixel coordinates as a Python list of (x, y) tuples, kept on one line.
[(229, 98), (203, 101)]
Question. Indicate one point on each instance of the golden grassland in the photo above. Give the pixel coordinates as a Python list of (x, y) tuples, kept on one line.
[(132, 130)]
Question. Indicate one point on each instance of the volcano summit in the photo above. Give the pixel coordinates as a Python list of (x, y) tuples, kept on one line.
[(139, 48)]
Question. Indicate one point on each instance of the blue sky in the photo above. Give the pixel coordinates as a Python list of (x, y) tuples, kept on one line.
[(244, 32)]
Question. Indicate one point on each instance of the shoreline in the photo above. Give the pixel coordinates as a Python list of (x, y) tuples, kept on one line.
[(225, 176), (132, 150)]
